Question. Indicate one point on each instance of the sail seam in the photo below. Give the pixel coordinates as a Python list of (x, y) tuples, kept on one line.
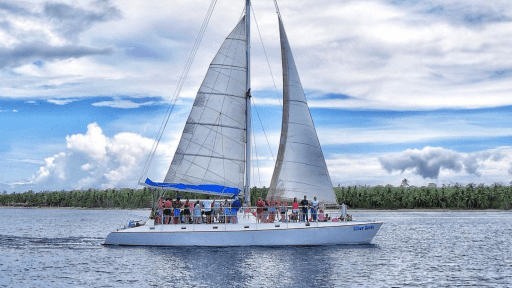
[(302, 183), (302, 143), (202, 179), (222, 73), (303, 163), (224, 94), (226, 65), (292, 100), (211, 156), (216, 125)]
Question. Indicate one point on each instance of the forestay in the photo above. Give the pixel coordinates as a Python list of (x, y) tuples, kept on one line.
[(300, 167), (210, 157)]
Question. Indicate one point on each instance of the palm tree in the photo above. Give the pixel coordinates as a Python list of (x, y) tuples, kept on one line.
[(405, 184)]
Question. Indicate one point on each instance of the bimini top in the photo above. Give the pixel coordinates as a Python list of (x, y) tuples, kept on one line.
[(205, 189)]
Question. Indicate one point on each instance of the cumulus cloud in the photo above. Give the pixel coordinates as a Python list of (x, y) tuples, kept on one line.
[(429, 161), (93, 160)]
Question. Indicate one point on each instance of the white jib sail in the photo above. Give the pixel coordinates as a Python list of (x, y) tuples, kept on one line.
[(300, 167), (212, 146)]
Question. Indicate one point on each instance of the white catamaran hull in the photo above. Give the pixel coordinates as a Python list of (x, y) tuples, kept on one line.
[(272, 234)]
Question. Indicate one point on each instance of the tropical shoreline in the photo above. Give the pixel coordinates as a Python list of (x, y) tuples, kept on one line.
[(349, 209)]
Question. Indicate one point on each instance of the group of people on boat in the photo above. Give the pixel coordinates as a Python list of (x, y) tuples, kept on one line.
[(272, 210), (223, 211), (208, 211)]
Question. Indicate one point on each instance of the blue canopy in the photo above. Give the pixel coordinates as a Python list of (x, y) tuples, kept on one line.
[(206, 189)]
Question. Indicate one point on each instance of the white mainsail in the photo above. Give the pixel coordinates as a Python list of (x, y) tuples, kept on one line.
[(300, 167), (211, 151)]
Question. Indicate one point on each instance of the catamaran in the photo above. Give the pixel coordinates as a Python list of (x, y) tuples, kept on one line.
[(214, 157)]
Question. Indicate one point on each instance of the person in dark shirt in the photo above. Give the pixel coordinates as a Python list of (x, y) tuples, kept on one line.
[(305, 205), (234, 210)]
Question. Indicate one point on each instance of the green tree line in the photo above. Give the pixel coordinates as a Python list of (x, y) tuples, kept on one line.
[(471, 196)]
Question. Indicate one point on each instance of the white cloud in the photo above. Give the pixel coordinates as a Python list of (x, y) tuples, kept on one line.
[(123, 104), (61, 101), (93, 143), (14, 111), (93, 160), (384, 54)]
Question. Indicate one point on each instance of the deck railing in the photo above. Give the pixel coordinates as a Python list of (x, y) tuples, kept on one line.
[(228, 215)]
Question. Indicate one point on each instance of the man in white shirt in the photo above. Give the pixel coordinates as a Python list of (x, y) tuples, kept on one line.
[(314, 208), (207, 205)]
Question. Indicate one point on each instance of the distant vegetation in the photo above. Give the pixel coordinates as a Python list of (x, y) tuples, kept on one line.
[(471, 196)]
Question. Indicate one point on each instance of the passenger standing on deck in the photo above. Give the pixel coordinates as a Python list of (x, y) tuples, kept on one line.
[(216, 210), (207, 204), (226, 211), (284, 208), (259, 211), (197, 213), (305, 205), (295, 210), (265, 211), (167, 211), (314, 208), (186, 211), (272, 209), (234, 210), (177, 210)]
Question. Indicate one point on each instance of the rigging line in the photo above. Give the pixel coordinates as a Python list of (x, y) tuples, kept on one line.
[(178, 88), (184, 75), (264, 133), (266, 56), (256, 153)]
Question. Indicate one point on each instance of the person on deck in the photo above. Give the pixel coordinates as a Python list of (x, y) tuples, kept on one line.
[(197, 213), (226, 211), (305, 204), (284, 209), (321, 217), (216, 210), (177, 210), (314, 208), (271, 210), (234, 210), (265, 211), (295, 210), (167, 211), (207, 204), (186, 211), (259, 211)]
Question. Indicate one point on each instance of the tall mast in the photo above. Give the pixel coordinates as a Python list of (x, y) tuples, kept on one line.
[(248, 104)]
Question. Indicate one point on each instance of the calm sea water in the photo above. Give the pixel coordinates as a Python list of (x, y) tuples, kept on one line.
[(62, 248)]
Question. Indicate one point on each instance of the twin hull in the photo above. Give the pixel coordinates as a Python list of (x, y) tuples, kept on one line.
[(272, 234)]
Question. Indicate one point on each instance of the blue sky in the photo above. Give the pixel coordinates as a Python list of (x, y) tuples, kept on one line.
[(397, 89)]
